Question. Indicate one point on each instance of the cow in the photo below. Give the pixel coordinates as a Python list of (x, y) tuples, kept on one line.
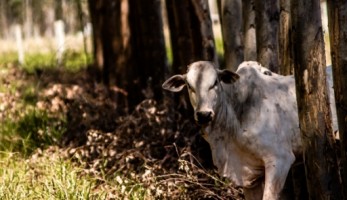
[(249, 118)]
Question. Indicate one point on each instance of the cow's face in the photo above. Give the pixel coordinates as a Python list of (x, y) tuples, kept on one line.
[(203, 83)]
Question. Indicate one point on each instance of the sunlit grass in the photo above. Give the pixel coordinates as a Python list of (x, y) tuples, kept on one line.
[(72, 61), (28, 169), (33, 129), (43, 177)]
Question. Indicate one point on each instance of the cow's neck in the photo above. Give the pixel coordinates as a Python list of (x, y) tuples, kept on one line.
[(226, 114), (222, 136)]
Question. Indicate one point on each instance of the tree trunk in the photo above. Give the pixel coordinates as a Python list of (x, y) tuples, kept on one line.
[(202, 22), (285, 53), (148, 52), (3, 20), (181, 33), (58, 9), (313, 104), (28, 21), (249, 27), (191, 33), (267, 20), (232, 31), (337, 15), (95, 9), (111, 37)]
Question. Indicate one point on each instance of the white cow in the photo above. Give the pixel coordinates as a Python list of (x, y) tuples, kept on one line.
[(250, 120)]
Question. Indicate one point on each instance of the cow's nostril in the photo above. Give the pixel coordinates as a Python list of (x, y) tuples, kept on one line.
[(203, 117)]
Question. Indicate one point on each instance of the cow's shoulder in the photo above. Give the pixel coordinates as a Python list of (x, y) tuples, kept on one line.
[(249, 69)]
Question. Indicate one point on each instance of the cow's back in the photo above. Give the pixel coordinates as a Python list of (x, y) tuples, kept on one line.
[(272, 106)]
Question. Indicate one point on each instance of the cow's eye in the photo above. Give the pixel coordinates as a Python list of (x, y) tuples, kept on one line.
[(214, 85)]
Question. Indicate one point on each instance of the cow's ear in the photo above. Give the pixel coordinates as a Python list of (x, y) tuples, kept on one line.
[(174, 84), (227, 76)]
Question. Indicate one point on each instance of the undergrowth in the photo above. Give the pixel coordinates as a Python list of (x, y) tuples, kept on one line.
[(43, 176), (63, 136)]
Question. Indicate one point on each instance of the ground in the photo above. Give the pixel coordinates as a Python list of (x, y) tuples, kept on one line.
[(64, 136)]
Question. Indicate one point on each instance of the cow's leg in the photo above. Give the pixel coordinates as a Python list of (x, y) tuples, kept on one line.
[(276, 172), (255, 192)]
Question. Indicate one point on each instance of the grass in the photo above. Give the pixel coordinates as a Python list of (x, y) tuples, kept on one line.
[(25, 131), (28, 168), (43, 177), (33, 129), (72, 61)]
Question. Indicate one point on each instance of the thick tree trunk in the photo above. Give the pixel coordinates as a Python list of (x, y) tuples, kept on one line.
[(337, 15), (181, 33), (148, 52), (95, 9), (313, 106), (202, 22), (111, 37), (285, 53), (232, 31), (249, 27), (191, 33), (267, 20)]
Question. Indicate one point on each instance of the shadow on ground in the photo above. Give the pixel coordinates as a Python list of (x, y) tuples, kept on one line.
[(153, 145)]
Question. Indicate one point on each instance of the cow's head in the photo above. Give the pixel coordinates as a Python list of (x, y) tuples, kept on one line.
[(203, 82)]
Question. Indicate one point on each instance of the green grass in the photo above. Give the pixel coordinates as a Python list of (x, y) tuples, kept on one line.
[(25, 130), (33, 129), (72, 61), (28, 168), (44, 177)]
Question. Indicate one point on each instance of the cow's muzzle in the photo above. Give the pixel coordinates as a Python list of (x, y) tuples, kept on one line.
[(203, 117)]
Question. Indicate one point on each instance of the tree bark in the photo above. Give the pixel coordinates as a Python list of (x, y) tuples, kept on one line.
[(111, 37), (249, 27), (95, 9), (232, 31), (267, 19), (313, 104), (337, 15), (184, 51), (4, 20), (285, 53), (148, 52), (58, 9), (202, 22), (28, 20)]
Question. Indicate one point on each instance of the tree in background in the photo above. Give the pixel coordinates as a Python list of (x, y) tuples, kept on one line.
[(96, 18), (267, 20), (37, 17), (285, 53), (148, 54), (191, 33), (129, 46), (249, 29), (337, 11), (313, 106), (3, 20), (232, 31)]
